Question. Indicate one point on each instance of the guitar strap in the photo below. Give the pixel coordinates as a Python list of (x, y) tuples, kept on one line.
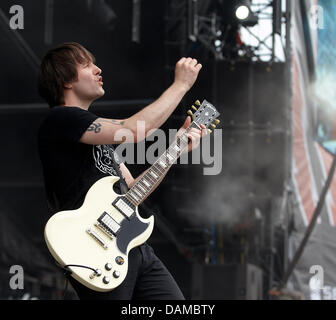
[(116, 165)]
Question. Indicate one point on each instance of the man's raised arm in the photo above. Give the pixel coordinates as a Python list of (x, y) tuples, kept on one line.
[(108, 131)]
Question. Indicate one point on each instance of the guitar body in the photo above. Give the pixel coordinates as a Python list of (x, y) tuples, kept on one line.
[(98, 235)]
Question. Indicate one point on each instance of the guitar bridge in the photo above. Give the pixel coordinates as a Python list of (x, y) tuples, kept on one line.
[(97, 237), (104, 229)]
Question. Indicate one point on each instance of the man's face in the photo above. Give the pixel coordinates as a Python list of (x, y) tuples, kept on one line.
[(89, 84)]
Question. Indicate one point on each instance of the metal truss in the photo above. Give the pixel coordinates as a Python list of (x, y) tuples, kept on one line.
[(267, 41)]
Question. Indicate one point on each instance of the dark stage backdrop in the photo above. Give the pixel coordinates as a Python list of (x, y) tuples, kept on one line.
[(103, 27), (252, 98)]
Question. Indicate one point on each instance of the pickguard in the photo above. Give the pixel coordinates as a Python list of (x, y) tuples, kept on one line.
[(129, 230)]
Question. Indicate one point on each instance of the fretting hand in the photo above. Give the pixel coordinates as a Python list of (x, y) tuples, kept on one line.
[(194, 135)]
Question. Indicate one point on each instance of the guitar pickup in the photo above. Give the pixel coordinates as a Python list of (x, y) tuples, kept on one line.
[(124, 206), (109, 225)]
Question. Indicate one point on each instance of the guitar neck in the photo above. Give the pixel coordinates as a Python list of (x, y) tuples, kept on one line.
[(148, 182)]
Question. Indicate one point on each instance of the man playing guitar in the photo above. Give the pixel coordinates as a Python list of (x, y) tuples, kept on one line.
[(76, 149)]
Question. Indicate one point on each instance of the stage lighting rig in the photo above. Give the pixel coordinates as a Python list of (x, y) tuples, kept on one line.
[(239, 30), (242, 12), (237, 12)]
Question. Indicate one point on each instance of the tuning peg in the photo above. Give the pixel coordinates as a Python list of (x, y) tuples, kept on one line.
[(209, 130), (197, 102), (217, 121), (189, 112), (212, 126), (194, 108)]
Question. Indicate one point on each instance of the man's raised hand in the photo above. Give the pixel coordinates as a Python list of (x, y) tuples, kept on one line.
[(186, 72)]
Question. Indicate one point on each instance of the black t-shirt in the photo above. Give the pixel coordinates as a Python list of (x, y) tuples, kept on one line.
[(70, 168)]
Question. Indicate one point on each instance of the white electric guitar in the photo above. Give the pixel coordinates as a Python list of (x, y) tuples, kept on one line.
[(93, 242)]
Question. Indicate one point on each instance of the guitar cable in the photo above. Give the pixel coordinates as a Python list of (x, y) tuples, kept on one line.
[(67, 273)]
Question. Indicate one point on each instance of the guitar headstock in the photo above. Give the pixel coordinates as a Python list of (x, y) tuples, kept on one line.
[(205, 114)]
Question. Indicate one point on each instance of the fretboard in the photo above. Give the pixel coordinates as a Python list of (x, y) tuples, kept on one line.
[(144, 186)]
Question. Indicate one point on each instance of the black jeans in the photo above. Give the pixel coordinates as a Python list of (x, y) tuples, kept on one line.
[(147, 279)]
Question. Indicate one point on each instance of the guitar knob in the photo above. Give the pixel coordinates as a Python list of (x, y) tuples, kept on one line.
[(106, 280), (197, 102), (119, 260), (108, 266), (116, 274)]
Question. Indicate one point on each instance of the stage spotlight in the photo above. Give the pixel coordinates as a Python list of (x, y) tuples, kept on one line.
[(242, 12), (244, 15), (236, 12)]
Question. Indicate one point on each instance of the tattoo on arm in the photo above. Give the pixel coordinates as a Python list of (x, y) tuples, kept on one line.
[(118, 122), (95, 127)]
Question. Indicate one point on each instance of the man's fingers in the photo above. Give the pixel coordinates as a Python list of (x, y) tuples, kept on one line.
[(204, 130), (188, 60), (195, 131), (186, 122), (194, 135), (182, 60), (193, 141), (191, 62)]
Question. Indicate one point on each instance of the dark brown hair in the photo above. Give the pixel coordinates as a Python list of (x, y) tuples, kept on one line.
[(59, 67)]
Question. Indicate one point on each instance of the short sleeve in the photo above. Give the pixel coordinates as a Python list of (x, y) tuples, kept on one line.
[(68, 123)]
